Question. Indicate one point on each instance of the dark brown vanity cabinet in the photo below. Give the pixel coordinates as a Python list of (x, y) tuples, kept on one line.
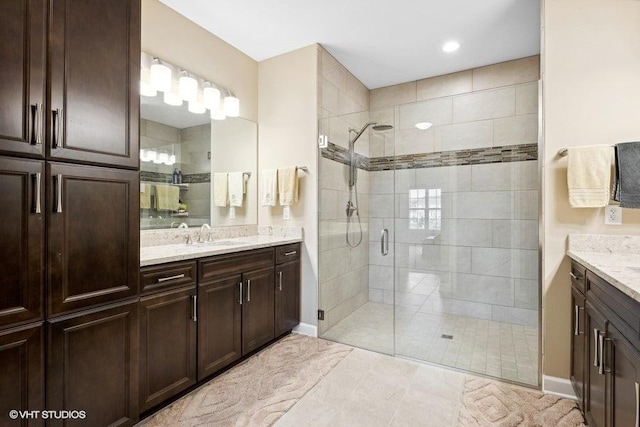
[(287, 289), (609, 352), (22, 235), (168, 331), (21, 372), (92, 365), (86, 109), (93, 241), (235, 307), (578, 339)]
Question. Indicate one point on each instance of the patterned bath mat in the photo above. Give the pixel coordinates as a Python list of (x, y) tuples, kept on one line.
[(258, 391), (492, 403)]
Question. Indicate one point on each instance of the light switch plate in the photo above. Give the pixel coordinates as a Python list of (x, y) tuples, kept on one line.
[(232, 212), (286, 214), (613, 215)]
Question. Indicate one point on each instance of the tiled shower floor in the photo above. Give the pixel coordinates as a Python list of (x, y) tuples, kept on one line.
[(497, 349)]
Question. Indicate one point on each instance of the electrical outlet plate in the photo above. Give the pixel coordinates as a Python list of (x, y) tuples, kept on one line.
[(613, 215), (286, 213), (232, 212)]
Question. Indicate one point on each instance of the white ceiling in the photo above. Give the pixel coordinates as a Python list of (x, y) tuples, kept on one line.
[(381, 42)]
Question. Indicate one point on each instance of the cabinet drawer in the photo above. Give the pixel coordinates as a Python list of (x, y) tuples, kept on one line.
[(166, 276), (618, 304), (227, 265), (577, 274), (287, 253)]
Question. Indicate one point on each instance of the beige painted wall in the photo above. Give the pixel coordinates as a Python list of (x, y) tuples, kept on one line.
[(591, 88), (172, 37), (287, 136)]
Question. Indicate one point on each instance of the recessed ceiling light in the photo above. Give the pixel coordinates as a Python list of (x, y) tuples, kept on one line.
[(424, 125), (450, 46)]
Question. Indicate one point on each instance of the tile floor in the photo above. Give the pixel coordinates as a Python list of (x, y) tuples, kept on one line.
[(497, 349), (371, 389)]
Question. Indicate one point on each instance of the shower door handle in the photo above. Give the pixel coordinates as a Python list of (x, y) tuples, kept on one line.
[(384, 242)]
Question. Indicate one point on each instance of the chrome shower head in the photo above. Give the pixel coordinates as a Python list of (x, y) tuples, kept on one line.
[(382, 127)]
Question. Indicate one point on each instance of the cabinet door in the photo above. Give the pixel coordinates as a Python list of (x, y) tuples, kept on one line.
[(167, 345), (93, 236), (219, 324), (578, 344), (94, 78), (22, 86), (92, 365), (596, 328), (287, 297), (624, 361), (21, 373), (257, 309), (22, 237)]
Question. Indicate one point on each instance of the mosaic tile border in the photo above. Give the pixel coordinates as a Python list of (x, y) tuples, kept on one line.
[(475, 156), (193, 178)]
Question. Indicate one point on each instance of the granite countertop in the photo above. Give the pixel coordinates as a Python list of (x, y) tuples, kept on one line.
[(615, 259), (163, 253)]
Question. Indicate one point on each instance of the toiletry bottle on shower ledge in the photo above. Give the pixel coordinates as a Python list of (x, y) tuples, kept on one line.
[(174, 179), (179, 177)]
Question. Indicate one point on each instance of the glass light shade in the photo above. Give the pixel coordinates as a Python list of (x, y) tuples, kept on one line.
[(172, 160), (211, 97), (160, 76), (188, 87), (143, 155), (218, 114), (173, 97), (146, 88), (163, 158), (197, 107), (151, 156), (231, 106)]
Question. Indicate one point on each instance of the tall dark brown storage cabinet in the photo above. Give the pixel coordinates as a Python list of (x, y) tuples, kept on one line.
[(69, 230)]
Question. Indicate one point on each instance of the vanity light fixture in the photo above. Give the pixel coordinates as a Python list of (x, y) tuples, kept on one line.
[(450, 46), (423, 125), (231, 106), (218, 114), (163, 158), (160, 76), (172, 97), (188, 87)]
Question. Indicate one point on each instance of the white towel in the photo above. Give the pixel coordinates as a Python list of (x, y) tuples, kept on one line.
[(220, 189), (236, 184), (288, 186), (589, 176), (269, 187), (167, 197)]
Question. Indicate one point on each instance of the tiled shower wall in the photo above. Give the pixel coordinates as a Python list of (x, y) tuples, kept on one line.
[(484, 253), (344, 271)]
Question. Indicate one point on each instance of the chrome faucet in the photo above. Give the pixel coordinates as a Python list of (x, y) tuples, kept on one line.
[(200, 237), (183, 225)]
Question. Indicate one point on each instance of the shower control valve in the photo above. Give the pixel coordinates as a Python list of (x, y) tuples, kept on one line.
[(350, 209)]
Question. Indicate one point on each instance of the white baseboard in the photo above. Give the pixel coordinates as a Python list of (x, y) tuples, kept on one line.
[(560, 387), (306, 329)]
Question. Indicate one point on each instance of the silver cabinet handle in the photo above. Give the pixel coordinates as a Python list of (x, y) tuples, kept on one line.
[(59, 195), (573, 276), (290, 253), (384, 242), (248, 290), (596, 360), (576, 330), (637, 405), (37, 183), (36, 125), (240, 286), (55, 122), (166, 279), (280, 276), (601, 352), (194, 301)]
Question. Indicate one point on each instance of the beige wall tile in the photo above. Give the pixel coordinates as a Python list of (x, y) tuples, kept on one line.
[(392, 95), (437, 111), (527, 99), (330, 97), (516, 130), (491, 104), (333, 71), (414, 141), (466, 135), (356, 90), (522, 70), (163, 132), (447, 85)]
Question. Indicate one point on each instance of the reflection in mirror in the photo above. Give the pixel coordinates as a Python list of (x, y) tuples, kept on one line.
[(179, 156)]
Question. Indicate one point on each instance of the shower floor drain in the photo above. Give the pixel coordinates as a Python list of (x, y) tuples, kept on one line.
[(446, 337)]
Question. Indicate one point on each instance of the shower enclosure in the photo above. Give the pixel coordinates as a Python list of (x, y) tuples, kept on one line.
[(435, 257)]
